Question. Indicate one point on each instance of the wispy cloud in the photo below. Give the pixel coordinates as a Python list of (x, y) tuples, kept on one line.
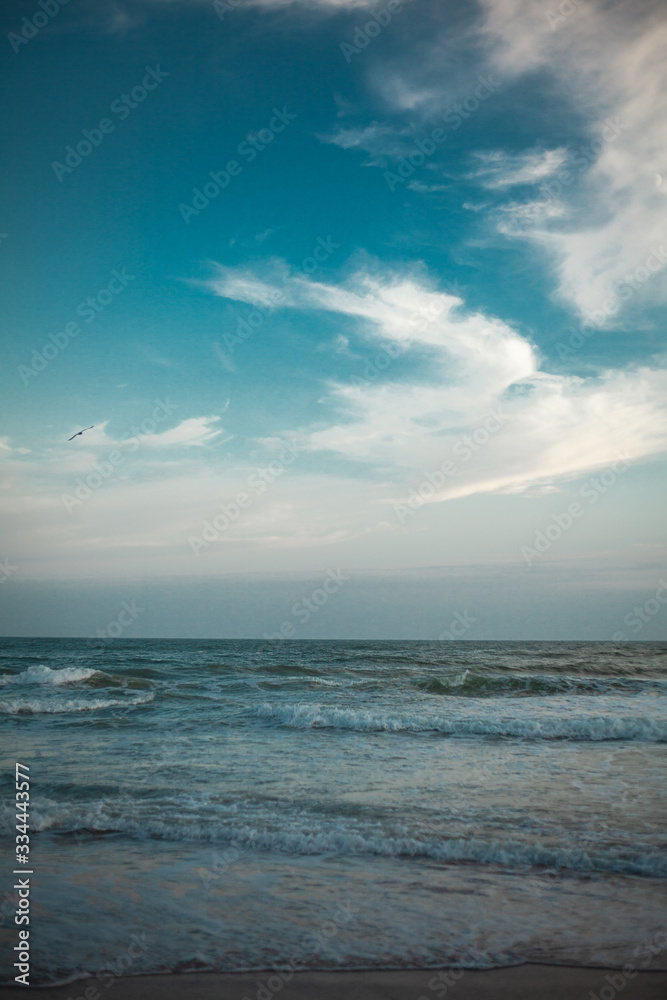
[(316, 4), (556, 427), (462, 367), (609, 61), (606, 61), (243, 285), (193, 432), (498, 169), (382, 140), (224, 358)]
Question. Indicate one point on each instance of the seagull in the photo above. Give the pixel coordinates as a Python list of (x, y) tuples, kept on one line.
[(81, 432)]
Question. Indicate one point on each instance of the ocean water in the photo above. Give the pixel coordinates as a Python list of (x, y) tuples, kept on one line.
[(251, 805)]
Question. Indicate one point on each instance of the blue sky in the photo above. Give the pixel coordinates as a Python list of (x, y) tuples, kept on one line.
[(416, 318)]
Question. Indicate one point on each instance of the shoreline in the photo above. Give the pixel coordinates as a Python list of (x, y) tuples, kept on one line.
[(516, 982)]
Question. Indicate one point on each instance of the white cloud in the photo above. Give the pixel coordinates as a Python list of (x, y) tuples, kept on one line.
[(515, 218), (384, 142), (427, 188), (501, 170), (194, 431), (374, 137), (396, 427), (324, 5), (494, 170), (553, 428), (609, 60), (243, 285), (233, 5), (344, 4)]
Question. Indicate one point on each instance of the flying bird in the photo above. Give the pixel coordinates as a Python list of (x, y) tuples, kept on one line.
[(81, 432)]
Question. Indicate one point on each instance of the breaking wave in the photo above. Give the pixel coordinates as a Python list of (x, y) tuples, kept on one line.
[(473, 685), (303, 833), (547, 727), (39, 706), (40, 674)]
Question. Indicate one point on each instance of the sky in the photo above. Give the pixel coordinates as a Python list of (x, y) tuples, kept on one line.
[(362, 292)]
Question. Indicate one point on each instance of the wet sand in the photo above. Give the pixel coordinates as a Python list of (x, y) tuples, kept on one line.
[(524, 982)]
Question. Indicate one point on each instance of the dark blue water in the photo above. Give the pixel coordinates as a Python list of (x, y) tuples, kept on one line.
[(233, 804)]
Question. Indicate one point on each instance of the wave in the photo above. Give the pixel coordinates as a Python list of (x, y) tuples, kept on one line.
[(87, 677), (307, 835), (553, 727), (39, 706), (474, 685), (40, 674)]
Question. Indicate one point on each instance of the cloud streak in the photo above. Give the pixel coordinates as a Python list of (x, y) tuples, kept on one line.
[(555, 427)]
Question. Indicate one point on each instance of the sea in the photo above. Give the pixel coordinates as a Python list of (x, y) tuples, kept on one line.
[(279, 805)]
